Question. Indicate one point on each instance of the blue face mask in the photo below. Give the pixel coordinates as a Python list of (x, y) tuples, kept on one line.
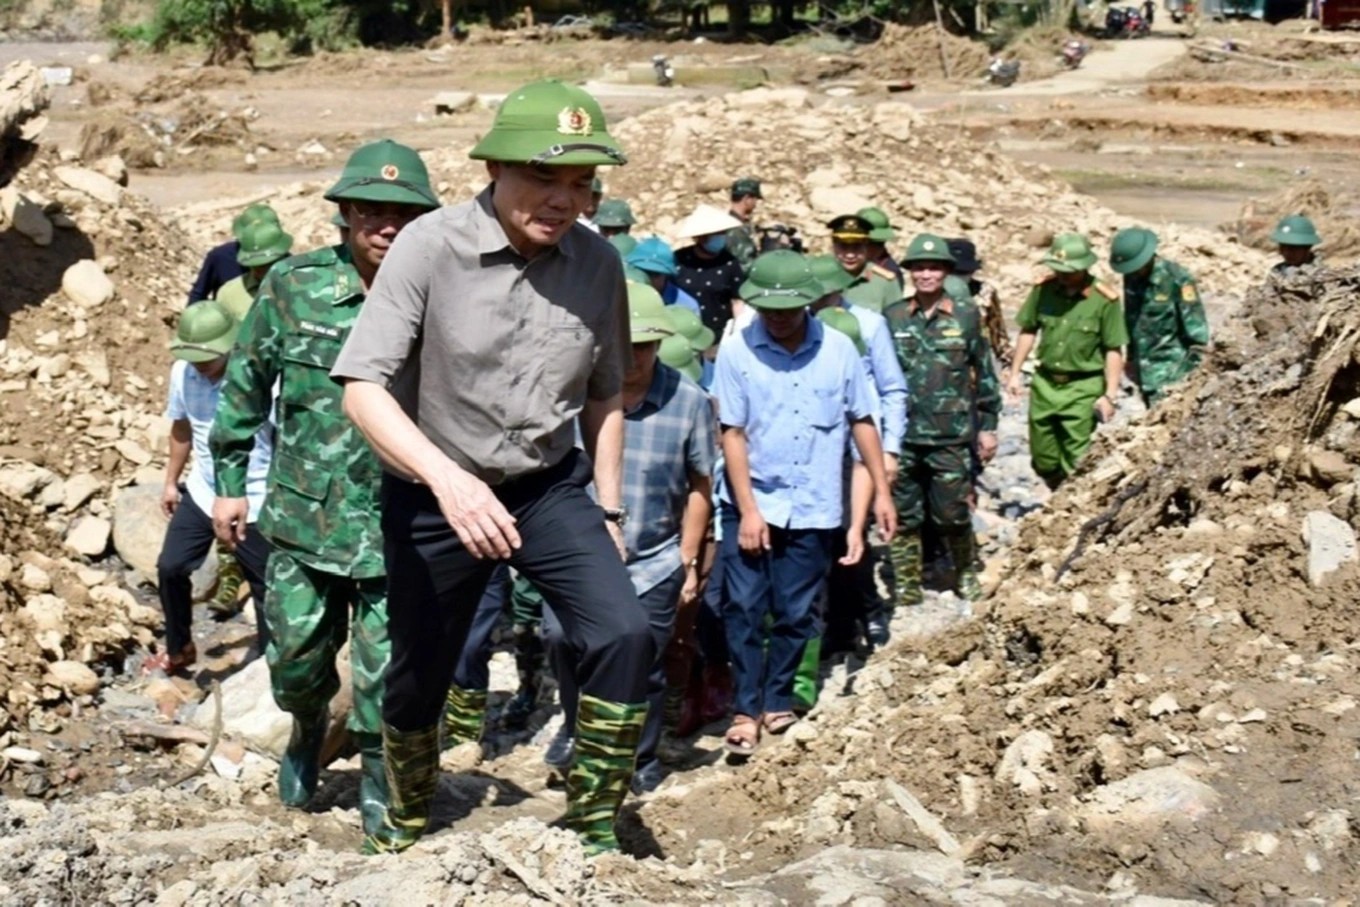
[(715, 244)]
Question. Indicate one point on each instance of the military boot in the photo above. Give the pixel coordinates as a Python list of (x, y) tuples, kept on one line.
[(300, 766), (229, 579), (607, 735), (464, 713), (960, 543), (529, 665), (806, 680), (906, 560), (372, 783), (412, 768)]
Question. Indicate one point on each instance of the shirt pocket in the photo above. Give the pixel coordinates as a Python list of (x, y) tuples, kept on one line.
[(297, 501), (827, 410), (308, 383), (952, 353)]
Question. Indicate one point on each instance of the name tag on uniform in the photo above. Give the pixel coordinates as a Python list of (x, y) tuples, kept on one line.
[(320, 330), (951, 332)]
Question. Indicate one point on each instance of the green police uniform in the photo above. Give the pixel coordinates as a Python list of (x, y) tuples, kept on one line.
[(1166, 325), (875, 288)]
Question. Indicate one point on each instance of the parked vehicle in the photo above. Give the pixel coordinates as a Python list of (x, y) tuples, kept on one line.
[(665, 72), (1125, 22), (1002, 72), (1073, 52)]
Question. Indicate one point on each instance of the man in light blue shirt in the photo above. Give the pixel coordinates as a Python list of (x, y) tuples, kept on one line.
[(790, 392)]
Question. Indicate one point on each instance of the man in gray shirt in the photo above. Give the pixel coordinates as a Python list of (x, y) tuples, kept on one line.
[(496, 325)]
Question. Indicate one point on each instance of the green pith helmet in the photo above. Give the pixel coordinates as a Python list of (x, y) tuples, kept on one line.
[(252, 214), (623, 243), (614, 212), (781, 279), (689, 325), (746, 186), (829, 273), (597, 186), (384, 171), (928, 247), (1131, 249), (263, 243), (676, 353), (1295, 230), (882, 227), (647, 314), (549, 123), (654, 256), (206, 331), (1070, 252), (843, 321)]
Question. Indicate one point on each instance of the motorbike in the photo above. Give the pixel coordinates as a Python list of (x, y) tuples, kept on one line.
[(665, 72), (1125, 22), (1002, 72), (779, 236), (1073, 52)]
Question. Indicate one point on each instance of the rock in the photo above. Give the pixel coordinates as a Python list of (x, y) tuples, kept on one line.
[(73, 677), (249, 714), (26, 216), (47, 612), (34, 578), (21, 480), (1121, 615), (1330, 467), (78, 490), (89, 536), (139, 527), (1331, 543), (447, 102), (114, 167), (86, 284), (926, 821), (1149, 797), (96, 185), (1024, 764), (22, 755), (134, 452), (1164, 704)]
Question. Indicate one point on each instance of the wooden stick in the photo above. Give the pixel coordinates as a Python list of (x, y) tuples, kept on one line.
[(939, 25)]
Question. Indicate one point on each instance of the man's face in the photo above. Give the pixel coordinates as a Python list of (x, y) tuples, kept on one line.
[(373, 226), (927, 276), (658, 281), (594, 206), (644, 360), (851, 254), (213, 369), (1071, 281), (257, 272), (537, 204), (607, 232), (1296, 255), (782, 324), (745, 206)]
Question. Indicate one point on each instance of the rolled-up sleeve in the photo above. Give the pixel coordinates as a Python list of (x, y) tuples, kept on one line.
[(729, 386), (615, 349), (390, 321)]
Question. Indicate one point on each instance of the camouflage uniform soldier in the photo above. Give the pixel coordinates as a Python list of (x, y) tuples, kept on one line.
[(963, 285), (615, 218), (1295, 236), (741, 241), (949, 375), (321, 509), (1167, 328), (874, 286), (1080, 358)]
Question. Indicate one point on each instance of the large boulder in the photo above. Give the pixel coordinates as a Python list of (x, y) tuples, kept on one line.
[(23, 98), (139, 527)]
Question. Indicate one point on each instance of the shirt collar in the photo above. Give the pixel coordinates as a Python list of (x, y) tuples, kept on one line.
[(348, 283), (491, 236), (946, 305)]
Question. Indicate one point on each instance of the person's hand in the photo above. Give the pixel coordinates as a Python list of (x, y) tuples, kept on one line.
[(1013, 386), (1104, 408), (986, 442), (854, 546), (753, 537), (616, 533), (229, 521), (690, 590), (481, 521), (890, 463), (169, 499), (885, 516)]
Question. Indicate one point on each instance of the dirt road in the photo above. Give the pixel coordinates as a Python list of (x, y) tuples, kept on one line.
[(1112, 64)]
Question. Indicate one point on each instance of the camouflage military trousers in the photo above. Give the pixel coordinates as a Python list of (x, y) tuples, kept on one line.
[(940, 478), (311, 612)]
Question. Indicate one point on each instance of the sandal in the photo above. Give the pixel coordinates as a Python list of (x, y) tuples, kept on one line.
[(743, 736), (778, 722), (170, 664)]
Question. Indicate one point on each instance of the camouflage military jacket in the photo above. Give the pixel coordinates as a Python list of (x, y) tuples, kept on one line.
[(741, 243), (321, 502), (875, 288), (949, 372), (1166, 325), (988, 305)]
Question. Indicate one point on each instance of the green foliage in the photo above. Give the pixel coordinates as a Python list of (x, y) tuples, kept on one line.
[(227, 27)]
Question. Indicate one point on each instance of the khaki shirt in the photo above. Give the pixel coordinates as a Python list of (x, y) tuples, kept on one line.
[(492, 355)]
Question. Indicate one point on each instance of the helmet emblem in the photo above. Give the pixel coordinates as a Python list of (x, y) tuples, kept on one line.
[(928, 246), (1286, 228), (573, 121), (390, 172), (1060, 254)]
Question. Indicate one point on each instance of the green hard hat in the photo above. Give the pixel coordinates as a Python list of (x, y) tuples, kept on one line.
[(676, 353), (623, 244), (252, 214), (928, 247), (830, 274), (384, 171), (1070, 252), (746, 186), (1295, 230), (263, 243), (843, 321), (1132, 248), (206, 331), (550, 122), (882, 229), (614, 212), (689, 325), (647, 314), (781, 279)]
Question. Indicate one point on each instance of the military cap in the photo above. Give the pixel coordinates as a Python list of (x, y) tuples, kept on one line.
[(830, 274), (550, 122), (1070, 252), (881, 229), (846, 323), (655, 256), (384, 171), (928, 247), (263, 243), (781, 279), (1295, 230), (850, 228), (688, 324), (647, 314), (746, 186), (623, 244), (1131, 249), (251, 214), (676, 353), (614, 212), (965, 256), (206, 332)]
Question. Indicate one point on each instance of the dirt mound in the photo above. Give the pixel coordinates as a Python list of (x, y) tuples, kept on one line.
[(923, 52), (1334, 210), (1246, 51)]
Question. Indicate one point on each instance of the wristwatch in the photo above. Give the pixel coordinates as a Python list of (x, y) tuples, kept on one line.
[(616, 515)]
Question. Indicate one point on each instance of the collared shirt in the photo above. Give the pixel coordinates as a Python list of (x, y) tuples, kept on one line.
[(874, 288), (669, 436), (1074, 331), (714, 282), (219, 266), (885, 372), (193, 398), (492, 355), (795, 409)]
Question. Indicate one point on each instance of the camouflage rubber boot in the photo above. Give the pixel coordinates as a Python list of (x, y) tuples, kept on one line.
[(464, 714), (805, 681), (529, 665), (906, 560), (961, 545), (607, 735), (412, 767), (300, 766), (229, 579), (372, 783)]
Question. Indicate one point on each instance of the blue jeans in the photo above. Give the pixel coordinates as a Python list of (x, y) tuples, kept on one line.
[(783, 583)]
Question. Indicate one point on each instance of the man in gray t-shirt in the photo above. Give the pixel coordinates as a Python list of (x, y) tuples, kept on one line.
[(496, 328)]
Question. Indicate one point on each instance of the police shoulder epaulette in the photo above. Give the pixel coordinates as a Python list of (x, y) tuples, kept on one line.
[(1106, 290), (881, 271)]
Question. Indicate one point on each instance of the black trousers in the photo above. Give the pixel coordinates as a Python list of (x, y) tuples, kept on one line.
[(188, 539), (434, 586)]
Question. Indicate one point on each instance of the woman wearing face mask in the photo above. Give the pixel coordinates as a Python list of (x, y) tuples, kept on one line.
[(706, 269)]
